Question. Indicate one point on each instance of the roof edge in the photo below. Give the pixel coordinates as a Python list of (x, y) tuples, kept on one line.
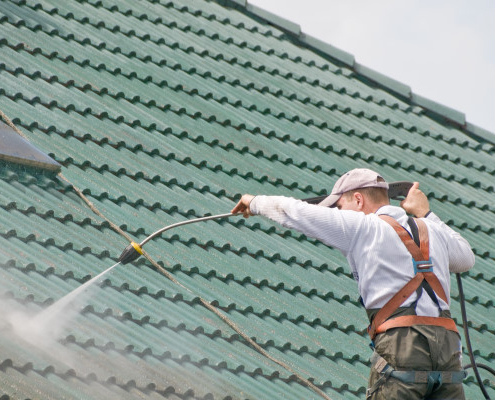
[(282, 23), (439, 109), (481, 133), (389, 84), (332, 51), (398, 87)]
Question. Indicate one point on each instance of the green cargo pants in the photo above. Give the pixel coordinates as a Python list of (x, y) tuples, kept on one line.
[(420, 348)]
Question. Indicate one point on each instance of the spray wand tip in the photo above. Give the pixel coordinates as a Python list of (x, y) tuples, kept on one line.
[(131, 253)]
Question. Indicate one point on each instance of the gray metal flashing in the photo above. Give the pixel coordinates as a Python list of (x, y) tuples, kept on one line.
[(15, 149), (443, 111), (326, 48), (273, 19), (383, 80)]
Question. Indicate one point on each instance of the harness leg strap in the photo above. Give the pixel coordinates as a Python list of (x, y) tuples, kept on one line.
[(433, 379)]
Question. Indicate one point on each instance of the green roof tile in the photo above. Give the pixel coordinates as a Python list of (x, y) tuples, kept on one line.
[(162, 111)]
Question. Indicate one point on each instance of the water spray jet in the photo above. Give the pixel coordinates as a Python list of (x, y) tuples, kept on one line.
[(397, 191)]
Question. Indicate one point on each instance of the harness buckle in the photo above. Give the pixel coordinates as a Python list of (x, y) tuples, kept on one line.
[(422, 265)]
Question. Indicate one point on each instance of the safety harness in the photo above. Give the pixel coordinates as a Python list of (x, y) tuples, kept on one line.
[(423, 268), (425, 278)]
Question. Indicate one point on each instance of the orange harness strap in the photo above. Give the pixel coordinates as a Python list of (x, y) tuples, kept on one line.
[(410, 320), (423, 266)]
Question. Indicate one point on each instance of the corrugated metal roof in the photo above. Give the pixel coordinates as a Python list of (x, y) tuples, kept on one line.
[(164, 111)]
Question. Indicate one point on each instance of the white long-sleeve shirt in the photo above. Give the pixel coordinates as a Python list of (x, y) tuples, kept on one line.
[(379, 261)]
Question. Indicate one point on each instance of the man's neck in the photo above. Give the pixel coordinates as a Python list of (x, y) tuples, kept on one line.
[(373, 208)]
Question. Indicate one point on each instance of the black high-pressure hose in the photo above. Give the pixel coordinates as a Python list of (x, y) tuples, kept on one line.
[(396, 190), (468, 341)]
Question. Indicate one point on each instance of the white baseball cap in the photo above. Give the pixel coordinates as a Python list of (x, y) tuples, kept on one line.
[(358, 178)]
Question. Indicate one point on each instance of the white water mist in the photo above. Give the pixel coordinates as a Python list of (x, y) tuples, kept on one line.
[(43, 329)]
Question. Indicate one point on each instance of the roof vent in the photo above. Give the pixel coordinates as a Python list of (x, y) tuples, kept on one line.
[(15, 149)]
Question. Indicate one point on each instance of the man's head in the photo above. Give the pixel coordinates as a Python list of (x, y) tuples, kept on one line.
[(360, 189)]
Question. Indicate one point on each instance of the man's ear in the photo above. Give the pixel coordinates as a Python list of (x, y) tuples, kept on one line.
[(359, 198)]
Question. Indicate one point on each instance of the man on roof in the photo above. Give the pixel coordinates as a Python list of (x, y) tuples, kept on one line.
[(401, 265)]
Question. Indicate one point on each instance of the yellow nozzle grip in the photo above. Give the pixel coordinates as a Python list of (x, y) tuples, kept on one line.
[(137, 247)]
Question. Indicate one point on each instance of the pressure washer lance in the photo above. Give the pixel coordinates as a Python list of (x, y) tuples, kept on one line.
[(134, 250), (397, 191)]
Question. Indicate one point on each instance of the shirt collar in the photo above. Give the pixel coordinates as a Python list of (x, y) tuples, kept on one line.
[(397, 213)]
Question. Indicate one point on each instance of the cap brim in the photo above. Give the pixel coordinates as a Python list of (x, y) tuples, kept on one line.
[(330, 201)]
